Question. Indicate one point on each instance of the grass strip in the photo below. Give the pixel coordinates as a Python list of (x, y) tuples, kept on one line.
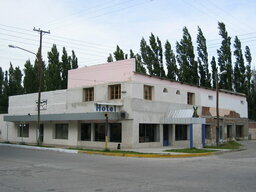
[(189, 150), (227, 145)]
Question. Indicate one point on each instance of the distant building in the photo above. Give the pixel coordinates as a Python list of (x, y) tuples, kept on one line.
[(142, 111)]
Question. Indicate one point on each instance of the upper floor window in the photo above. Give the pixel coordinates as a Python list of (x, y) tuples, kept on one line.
[(115, 91), (190, 98), (89, 94), (148, 92)]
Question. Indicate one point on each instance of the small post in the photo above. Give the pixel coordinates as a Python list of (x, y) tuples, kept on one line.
[(106, 132)]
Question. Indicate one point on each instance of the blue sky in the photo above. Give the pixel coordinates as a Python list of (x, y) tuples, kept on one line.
[(93, 28)]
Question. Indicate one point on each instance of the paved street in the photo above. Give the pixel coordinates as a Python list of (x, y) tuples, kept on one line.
[(29, 170)]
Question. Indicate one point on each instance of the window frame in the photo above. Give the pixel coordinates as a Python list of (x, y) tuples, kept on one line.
[(114, 91), (23, 130), (190, 98), (148, 92), (115, 132), (148, 133), (88, 94), (85, 132), (64, 129), (181, 132)]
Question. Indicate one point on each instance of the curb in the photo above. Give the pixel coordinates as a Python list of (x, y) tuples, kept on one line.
[(40, 148), (147, 155)]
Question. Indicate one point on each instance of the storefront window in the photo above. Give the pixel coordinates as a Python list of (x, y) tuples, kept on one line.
[(147, 133), (85, 132), (181, 132), (61, 131), (115, 132), (23, 130), (99, 132)]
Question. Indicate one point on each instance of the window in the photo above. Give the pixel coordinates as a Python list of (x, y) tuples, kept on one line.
[(208, 132), (210, 97), (23, 130), (115, 91), (148, 92), (181, 132), (89, 94), (61, 131), (165, 90), (190, 98), (115, 132), (239, 131), (85, 132), (147, 133), (99, 132), (178, 92)]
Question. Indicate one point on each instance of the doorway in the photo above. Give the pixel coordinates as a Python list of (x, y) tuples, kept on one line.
[(165, 135), (41, 133)]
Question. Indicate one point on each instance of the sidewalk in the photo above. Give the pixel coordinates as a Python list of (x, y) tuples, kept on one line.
[(139, 153)]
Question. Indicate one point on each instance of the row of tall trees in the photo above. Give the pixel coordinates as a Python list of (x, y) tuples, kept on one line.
[(16, 81), (183, 64)]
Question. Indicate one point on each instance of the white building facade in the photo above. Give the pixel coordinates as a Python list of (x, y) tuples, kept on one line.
[(141, 110)]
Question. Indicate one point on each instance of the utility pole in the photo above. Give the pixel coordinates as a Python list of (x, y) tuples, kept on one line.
[(41, 32)]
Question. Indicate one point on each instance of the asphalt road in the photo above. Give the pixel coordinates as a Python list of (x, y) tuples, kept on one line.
[(29, 170)]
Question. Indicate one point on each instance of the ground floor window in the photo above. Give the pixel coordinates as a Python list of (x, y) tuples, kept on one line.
[(115, 132), (99, 132), (23, 130), (85, 132), (239, 131), (181, 132), (61, 131), (208, 132), (147, 133), (229, 131)]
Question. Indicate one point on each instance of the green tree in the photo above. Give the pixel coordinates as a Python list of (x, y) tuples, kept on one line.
[(15, 81), (65, 66), (53, 72), (1, 90), (74, 61), (110, 58), (30, 78), (205, 76), (214, 71), (139, 65), (4, 100), (224, 59), (119, 54), (248, 58), (186, 59), (147, 56), (172, 70), (239, 69)]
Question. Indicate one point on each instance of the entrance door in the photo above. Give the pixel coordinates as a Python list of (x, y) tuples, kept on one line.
[(41, 133), (165, 135)]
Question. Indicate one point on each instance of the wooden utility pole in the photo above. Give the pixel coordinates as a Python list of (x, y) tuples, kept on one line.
[(39, 83)]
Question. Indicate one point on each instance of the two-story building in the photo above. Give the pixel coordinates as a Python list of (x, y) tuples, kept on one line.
[(141, 111)]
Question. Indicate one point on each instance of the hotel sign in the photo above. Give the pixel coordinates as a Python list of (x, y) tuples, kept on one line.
[(105, 108)]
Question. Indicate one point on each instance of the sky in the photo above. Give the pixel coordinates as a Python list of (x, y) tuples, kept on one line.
[(93, 28)]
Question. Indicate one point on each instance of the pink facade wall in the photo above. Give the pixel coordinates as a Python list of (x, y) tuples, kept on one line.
[(101, 74)]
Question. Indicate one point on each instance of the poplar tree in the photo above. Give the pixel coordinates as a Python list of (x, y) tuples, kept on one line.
[(186, 59), (15, 81), (53, 72), (214, 71), (4, 100), (172, 70), (224, 59), (139, 65), (110, 58), (239, 69), (74, 61), (119, 54), (65, 66), (205, 76), (248, 59), (30, 78), (147, 56), (1, 90)]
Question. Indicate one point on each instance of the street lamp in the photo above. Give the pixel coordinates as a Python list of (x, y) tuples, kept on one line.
[(39, 89), (217, 105)]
